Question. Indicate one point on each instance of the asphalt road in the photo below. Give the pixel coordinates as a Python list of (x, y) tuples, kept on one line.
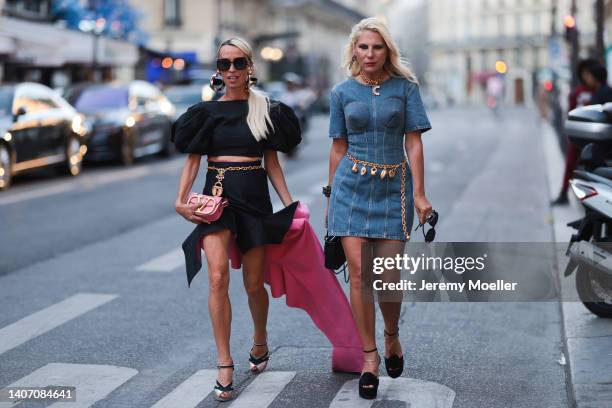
[(93, 289)]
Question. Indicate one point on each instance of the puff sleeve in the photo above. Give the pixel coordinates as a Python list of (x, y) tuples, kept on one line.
[(192, 130), (286, 133)]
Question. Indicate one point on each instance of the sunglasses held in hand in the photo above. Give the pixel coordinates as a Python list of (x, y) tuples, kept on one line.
[(240, 63), (432, 220)]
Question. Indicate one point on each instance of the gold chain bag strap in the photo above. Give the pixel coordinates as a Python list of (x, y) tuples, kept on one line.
[(386, 170), (211, 207)]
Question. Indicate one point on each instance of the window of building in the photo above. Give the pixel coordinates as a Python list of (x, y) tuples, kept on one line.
[(172, 12)]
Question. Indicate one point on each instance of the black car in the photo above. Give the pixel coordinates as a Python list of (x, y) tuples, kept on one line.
[(38, 128), (128, 120)]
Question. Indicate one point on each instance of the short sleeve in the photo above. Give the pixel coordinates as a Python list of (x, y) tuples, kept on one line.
[(286, 133), (191, 132), (337, 124), (415, 115)]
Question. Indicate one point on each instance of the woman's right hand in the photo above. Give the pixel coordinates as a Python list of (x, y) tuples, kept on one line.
[(189, 214)]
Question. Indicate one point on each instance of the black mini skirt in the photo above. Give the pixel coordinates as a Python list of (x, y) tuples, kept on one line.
[(249, 215)]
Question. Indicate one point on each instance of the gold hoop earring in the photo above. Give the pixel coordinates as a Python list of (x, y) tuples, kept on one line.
[(251, 80), (216, 82)]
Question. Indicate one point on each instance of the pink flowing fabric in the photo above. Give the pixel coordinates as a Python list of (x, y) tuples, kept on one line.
[(296, 268)]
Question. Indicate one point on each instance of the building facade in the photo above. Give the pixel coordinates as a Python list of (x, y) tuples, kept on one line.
[(310, 34), (468, 38)]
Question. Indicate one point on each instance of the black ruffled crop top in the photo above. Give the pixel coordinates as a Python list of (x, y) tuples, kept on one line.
[(217, 128)]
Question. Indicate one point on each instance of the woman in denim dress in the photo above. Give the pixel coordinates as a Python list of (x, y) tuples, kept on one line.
[(375, 113)]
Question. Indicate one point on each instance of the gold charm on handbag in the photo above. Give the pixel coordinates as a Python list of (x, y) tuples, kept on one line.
[(373, 171), (355, 169), (364, 170), (383, 174), (217, 188), (391, 173)]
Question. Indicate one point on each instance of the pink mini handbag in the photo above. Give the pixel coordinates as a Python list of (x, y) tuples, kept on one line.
[(208, 207)]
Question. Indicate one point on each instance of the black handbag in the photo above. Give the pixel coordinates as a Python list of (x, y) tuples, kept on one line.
[(335, 259)]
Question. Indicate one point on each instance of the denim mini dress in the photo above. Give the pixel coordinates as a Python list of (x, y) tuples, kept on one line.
[(374, 126)]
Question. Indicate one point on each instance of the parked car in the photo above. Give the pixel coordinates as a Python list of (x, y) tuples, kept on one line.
[(184, 96), (38, 128), (128, 120)]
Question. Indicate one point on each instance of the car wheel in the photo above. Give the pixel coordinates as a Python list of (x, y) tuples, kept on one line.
[(74, 157), (5, 167), (168, 148), (127, 149)]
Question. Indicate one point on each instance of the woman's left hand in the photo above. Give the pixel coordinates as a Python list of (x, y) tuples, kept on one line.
[(422, 207)]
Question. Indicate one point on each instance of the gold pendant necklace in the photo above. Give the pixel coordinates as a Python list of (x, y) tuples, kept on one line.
[(374, 83)]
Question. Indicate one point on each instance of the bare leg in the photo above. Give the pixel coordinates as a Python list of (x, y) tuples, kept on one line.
[(253, 276), (391, 307), (362, 307), (215, 247)]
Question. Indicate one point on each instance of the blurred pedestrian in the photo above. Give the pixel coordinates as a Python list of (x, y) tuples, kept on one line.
[(375, 114), (592, 78), (236, 132), (596, 78)]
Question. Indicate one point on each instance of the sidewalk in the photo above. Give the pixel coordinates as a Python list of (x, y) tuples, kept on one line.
[(587, 338)]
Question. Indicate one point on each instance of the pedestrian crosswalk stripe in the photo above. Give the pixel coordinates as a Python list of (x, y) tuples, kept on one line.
[(263, 390), (49, 318), (413, 392), (190, 392), (164, 263), (93, 382)]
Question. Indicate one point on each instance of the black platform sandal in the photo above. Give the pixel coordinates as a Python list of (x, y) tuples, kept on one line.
[(258, 364), (368, 382), (394, 364), (224, 389)]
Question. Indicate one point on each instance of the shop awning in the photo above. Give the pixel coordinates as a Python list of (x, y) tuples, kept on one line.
[(48, 45)]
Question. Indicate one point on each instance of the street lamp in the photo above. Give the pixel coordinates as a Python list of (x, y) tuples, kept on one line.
[(96, 27)]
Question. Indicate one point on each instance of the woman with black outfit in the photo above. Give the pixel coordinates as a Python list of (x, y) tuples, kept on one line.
[(236, 132)]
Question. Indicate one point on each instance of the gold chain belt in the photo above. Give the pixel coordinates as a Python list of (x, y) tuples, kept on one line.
[(217, 189), (386, 170)]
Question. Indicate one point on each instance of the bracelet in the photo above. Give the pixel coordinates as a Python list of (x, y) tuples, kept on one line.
[(327, 191)]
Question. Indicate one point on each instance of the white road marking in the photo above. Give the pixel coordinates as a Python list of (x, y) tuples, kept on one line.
[(263, 390), (30, 195), (190, 392), (413, 392), (164, 263), (93, 382), (49, 318)]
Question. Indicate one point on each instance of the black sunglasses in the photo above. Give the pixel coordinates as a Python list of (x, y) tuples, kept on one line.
[(240, 63), (432, 220)]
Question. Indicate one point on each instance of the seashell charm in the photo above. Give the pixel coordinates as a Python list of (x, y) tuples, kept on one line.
[(373, 171), (383, 174), (364, 170), (391, 173), (355, 169)]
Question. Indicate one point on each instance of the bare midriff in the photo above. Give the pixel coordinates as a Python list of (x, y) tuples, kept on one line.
[(237, 159)]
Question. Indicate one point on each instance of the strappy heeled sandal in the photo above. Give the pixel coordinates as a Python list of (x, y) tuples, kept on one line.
[(224, 389), (394, 364), (368, 382), (258, 364)]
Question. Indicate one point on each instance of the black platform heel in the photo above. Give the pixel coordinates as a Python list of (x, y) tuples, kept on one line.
[(258, 364), (368, 382), (221, 389), (394, 364)]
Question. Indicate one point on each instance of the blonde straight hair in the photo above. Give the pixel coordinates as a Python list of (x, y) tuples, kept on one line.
[(258, 119), (395, 64)]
